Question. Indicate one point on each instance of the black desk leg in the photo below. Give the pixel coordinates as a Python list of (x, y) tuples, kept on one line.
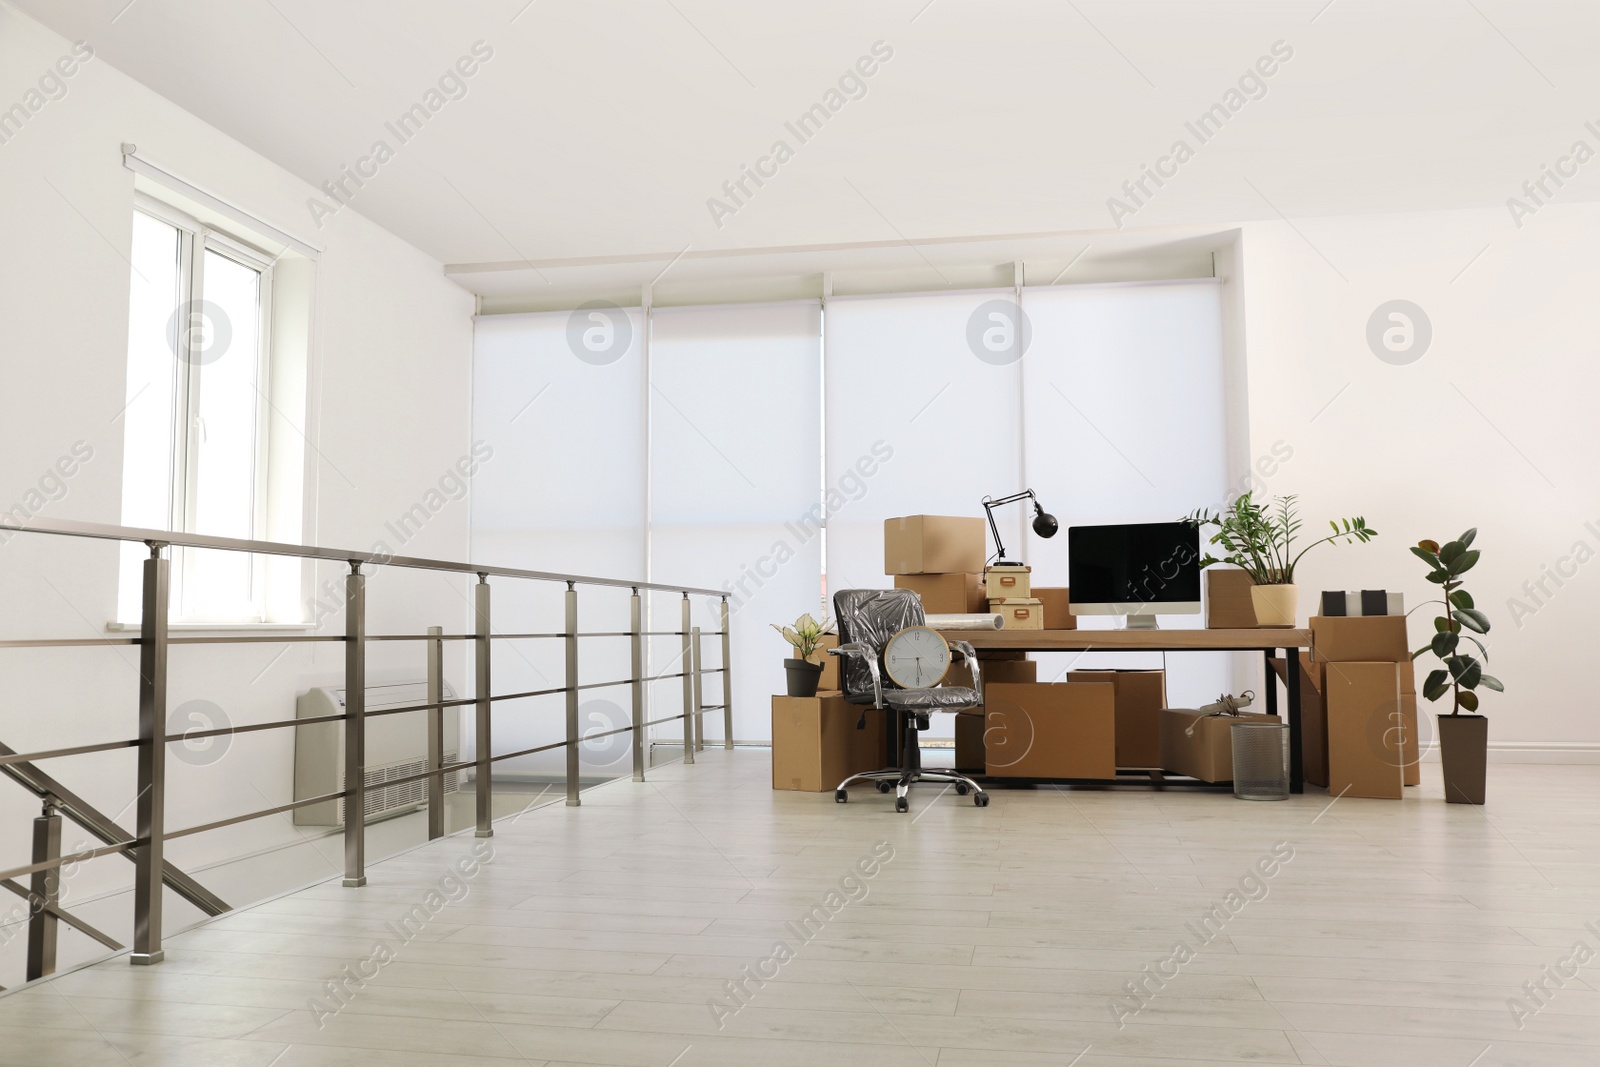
[(1270, 684), (1297, 770)]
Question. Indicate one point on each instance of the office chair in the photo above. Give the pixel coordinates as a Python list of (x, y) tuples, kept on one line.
[(867, 619)]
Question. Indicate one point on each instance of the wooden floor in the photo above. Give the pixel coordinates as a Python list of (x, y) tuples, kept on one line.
[(608, 934)]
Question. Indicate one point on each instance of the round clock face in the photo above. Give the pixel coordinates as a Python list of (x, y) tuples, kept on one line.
[(916, 658)]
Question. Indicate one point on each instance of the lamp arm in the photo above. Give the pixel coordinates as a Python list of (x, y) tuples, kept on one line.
[(988, 509)]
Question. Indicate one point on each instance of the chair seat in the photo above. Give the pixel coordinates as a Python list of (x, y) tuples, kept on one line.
[(945, 697)]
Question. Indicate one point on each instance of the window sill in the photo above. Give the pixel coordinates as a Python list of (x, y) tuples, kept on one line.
[(216, 627)]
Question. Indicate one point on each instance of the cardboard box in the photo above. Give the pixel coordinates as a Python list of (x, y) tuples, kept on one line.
[(969, 742), (815, 743), (1050, 730), (1057, 604), (1359, 639), (1365, 753), (1313, 718), (1208, 755), (1020, 613), (1140, 696), (830, 664), (933, 544), (1229, 605), (1411, 771), (1005, 582), (946, 594), (1018, 671)]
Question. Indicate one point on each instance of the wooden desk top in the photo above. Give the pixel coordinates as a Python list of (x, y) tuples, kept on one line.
[(1133, 640)]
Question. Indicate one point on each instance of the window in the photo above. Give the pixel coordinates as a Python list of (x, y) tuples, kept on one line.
[(196, 418)]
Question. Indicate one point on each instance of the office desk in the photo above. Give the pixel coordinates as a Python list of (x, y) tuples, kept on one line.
[(1266, 641)]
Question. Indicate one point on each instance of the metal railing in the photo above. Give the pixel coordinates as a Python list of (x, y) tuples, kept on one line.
[(145, 847)]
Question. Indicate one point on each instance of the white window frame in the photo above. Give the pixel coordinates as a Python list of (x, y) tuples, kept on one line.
[(195, 239)]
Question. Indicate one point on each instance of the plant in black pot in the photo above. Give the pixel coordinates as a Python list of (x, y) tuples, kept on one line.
[(1463, 739), (806, 636)]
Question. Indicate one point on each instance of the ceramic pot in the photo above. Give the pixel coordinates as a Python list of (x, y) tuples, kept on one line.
[(1276, 605)]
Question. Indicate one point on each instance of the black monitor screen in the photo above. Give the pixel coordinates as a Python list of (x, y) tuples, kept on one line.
[(1146, 562)]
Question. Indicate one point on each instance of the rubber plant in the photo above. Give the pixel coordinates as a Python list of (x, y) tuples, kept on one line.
[(1462, 673), (1261, 539)]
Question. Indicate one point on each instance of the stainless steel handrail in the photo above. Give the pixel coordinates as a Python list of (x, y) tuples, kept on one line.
[(146, 846)]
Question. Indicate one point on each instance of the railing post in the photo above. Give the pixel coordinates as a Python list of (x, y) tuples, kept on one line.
[(571, 641), (46, 888), (152, 781), (355, 727), (480, 643), (687, 660), (636, 644), (727, 682), (435, 731), (699, 697)]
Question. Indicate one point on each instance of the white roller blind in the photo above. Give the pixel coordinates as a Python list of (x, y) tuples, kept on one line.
[(734, 453)]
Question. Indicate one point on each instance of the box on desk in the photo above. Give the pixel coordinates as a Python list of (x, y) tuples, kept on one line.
[(1020, 613), (1229, 604), (946, 594), (1056, 602), (815, 743), (1008, 581), (1140, 696), (1050, 730), (1207, 754), (933, 544)]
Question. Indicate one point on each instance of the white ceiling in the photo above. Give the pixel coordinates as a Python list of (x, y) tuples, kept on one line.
[(600, 128)]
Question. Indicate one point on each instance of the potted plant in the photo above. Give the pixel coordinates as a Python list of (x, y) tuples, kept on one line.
[(806, 636), (1260, 539), (1463, 739)]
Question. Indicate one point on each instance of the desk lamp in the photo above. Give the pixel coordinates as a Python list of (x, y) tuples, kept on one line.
[(1044, 523)]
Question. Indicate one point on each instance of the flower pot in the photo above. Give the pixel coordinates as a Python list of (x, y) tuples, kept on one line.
[(802, 677), (1464, 749), (1275, 605)]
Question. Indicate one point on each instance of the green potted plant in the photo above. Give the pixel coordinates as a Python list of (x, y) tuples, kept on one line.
[(1260, 539), (805, 671), (1463, 739)]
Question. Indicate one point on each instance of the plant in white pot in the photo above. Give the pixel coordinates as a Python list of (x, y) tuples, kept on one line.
[(1261, 539), (1463, 739), (806, 636)]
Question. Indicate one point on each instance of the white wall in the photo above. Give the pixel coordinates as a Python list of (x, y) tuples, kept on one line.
[(392, 347), (1492, 427)]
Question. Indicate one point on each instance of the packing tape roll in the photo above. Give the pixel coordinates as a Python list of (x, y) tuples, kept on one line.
[(966, 622)]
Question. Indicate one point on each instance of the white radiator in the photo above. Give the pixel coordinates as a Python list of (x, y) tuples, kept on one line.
[(397, 747)]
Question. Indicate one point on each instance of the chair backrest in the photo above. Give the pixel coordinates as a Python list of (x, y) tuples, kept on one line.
[(870, 617)]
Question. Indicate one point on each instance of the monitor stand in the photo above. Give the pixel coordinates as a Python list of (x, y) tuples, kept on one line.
[(1140, 622)]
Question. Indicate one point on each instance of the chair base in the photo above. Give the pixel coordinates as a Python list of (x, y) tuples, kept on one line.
[(903, 780)]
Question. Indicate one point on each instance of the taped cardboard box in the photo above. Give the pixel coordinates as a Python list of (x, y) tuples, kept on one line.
[(1229, 605), (946, 594), (815, 743), (1056, 603), (1140, 696), (933, 544), (1365, 754), (1050, 730), (1207, 754)]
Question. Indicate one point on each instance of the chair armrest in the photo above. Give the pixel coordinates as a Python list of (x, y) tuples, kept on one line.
[(969, 656), (866, 655)]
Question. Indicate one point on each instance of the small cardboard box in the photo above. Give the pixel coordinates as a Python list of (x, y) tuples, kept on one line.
[(1365, 752), (1020, 614), (1140, 696), (1359, 639), (946, 594), (815, 743), (969, 741), (1019, 671), (1057, 604), (1208, 755), (1229, 605), (830, 664), (933, 544), (1006, 582), (1050, 730)]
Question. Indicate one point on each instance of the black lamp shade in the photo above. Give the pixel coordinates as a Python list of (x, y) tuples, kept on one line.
[(1044, 523)]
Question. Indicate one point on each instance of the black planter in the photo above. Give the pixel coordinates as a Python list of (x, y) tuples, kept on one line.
[(1464, 751), (802, 677)]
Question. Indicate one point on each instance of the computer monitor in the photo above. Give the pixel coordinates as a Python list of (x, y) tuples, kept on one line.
[(1139, 570)]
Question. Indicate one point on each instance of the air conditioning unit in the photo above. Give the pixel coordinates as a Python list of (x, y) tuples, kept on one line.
[(397, 747)]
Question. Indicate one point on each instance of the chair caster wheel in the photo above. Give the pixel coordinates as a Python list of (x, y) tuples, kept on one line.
[(840, 796), (981, 800), (901, 804), (961, 789), (884, 787)]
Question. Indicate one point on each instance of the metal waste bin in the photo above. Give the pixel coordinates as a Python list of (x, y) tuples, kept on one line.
[(1260, 760)]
